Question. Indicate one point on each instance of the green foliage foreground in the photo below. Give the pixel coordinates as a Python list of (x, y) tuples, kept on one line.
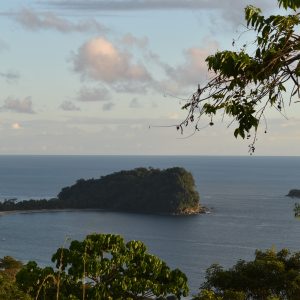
[(103, 266), (270, 276)]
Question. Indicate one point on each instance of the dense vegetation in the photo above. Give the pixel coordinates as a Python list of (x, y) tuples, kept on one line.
[(294, 193), (142, 190), (270, 276), (139, 190), (104, 266), (9, 290)]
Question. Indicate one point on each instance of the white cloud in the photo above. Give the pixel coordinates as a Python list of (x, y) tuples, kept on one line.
[(34, 21), (69, 106), (18, 105), (100, 60), (93, 94)]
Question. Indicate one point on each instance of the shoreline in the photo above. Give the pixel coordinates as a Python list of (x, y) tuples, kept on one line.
[(47, 210), (202, 210)]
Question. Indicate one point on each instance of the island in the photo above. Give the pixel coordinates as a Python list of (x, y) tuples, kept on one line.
[(141, 190), (294, 193)]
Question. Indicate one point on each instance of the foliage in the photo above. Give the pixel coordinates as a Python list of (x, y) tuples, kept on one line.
[(269, 276), (103, 266), (248, 81), (227, 295), (53, 203), (140, 190), (294, 193), (297, 209), (9, 267)]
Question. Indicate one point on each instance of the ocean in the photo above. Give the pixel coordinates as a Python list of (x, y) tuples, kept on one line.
[(245, 195)]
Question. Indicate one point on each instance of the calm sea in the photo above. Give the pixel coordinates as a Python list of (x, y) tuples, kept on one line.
[(246, 196)]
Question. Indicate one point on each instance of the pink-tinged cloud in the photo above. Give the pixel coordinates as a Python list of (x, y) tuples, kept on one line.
[(18, 105), (194, 69), (100, 60), (16, 126)]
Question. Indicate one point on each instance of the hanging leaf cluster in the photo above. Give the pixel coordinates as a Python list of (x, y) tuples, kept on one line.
[(247, 82)]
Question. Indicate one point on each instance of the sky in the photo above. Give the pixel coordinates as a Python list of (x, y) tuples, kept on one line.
[(109, 77)]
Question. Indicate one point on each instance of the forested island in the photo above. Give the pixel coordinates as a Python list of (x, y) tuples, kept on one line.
[(145, 190), (294, 193)]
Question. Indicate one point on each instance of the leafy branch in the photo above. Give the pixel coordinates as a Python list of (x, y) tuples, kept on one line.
[(245, 85)]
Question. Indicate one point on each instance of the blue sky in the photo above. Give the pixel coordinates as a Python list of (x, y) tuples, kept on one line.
[(90, 77)]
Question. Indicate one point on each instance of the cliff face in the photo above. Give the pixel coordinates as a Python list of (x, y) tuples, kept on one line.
[(294, 193), (140, 190)]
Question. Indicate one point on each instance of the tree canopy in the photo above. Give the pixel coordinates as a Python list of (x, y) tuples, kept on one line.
[(103, 266), (270, 276), (248, 81), (9, 267), (139, 190)]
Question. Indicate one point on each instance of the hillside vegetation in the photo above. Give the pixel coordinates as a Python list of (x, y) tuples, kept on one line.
[(147, 190)]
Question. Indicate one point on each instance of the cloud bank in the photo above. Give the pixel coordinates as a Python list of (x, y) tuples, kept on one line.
[(230, 10), (34, 21), (126, 5)]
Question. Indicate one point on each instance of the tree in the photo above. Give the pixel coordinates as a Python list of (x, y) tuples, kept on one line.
[(246, 84), (103, 266), (9, 267), (271, 275)]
